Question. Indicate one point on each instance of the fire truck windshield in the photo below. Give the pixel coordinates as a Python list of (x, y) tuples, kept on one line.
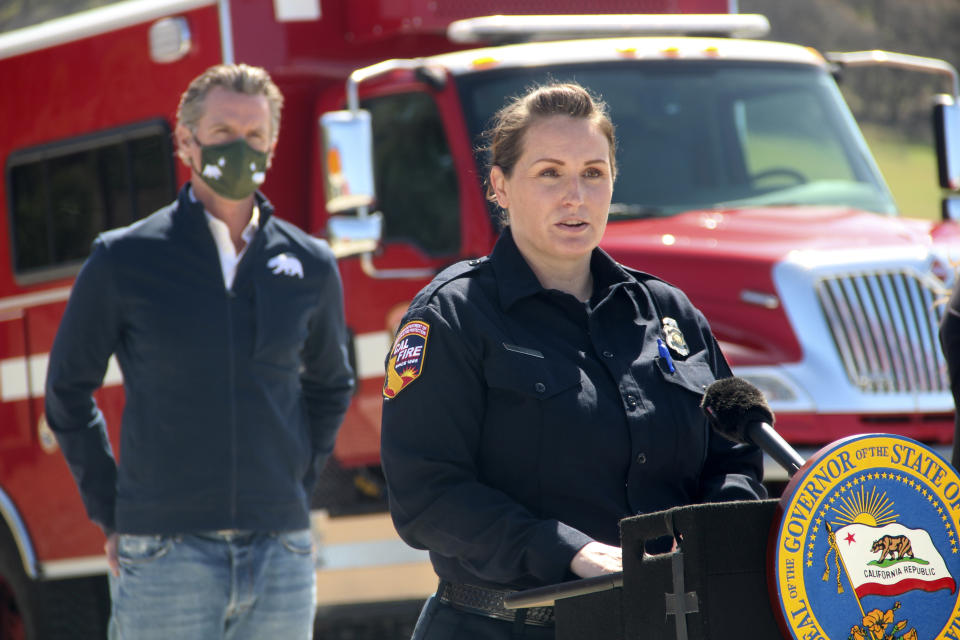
[(711, 134)]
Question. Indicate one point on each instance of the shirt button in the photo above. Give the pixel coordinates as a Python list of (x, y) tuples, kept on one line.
[(607, 354), (631, 402), (540, 387), (473, 263), (641, 458)]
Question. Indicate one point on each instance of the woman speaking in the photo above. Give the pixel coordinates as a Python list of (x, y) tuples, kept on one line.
[(537, 396)]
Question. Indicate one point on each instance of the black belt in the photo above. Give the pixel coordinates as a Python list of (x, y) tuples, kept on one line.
[(489, 602)]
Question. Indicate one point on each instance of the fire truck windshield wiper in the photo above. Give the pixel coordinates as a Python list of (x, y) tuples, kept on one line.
[(623, 210)]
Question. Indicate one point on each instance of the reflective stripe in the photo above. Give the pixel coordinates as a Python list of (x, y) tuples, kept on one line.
[(336, 557), (354, 555), (35, 299), (86, 24), (371, 350), (74, 567), (22, 378)]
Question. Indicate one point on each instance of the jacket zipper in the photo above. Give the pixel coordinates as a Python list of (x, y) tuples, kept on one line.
[(232, 408)]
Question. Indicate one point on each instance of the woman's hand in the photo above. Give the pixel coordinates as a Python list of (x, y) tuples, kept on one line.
[(596, 559)]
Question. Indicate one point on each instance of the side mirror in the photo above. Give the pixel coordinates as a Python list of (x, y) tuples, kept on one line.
[(347, 159), (353, 235), (950, 209), (946, 126)]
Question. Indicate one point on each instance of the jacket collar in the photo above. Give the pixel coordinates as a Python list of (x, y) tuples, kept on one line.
[(516, 280), (189, 211)]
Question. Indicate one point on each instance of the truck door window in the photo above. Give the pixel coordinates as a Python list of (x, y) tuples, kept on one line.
[(788, 130), (415, 178), (62, 195)]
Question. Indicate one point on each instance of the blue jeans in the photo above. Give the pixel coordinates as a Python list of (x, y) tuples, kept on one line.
[(235, 586)]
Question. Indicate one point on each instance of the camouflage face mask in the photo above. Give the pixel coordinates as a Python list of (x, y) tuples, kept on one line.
[(234, 169)]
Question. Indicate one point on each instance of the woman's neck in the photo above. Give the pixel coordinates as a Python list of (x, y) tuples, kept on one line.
[(572, 278)]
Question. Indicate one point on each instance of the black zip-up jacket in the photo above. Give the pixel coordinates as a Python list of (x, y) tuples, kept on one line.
[(233, 397), (521, 424)]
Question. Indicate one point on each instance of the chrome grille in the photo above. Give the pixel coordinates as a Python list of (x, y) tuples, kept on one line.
[(884, 325)]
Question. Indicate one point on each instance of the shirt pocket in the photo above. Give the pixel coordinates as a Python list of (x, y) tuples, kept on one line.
[(693, 374), (685, 387), (523, 376), (527, 398)]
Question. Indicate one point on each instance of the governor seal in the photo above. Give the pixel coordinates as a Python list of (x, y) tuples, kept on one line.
[(864, 545)]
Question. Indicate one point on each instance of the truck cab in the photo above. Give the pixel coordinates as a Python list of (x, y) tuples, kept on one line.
[(743, 179)]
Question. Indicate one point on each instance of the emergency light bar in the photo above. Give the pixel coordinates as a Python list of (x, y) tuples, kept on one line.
[(566, 27)]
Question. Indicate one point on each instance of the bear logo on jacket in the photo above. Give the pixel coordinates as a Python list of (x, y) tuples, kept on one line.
[(286, 264)]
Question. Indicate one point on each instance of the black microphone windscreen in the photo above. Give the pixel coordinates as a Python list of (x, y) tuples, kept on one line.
[(730, 404)]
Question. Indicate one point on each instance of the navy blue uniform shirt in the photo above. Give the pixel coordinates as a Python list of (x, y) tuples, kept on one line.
[(520, 424)]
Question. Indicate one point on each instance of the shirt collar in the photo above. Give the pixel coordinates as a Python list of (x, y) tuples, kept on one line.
[(608, 274), (248, 232), (516, 280)]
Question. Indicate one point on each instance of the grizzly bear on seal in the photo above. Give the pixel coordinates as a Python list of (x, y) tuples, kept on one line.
[(893, 545)]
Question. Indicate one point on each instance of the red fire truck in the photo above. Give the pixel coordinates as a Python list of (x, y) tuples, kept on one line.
[(743, 179)]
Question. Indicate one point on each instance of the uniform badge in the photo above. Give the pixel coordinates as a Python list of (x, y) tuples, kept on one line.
[(867, 544), (674, 337), (406, 357)]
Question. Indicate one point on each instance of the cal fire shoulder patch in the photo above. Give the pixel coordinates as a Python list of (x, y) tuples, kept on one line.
[(406, 357)]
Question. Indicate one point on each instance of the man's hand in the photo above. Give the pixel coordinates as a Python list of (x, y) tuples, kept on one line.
[(111, 548), (596, 559)]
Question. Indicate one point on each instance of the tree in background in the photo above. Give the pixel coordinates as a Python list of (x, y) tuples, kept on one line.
[(15, 14), (886, 97)]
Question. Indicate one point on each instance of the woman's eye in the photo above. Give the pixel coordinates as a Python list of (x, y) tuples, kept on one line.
[(549, 172), (593, 172)]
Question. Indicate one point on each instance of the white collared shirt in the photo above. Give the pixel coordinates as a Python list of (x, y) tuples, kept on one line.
[(229, 257)]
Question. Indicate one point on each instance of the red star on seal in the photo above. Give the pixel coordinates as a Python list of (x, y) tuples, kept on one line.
[(850, 540)]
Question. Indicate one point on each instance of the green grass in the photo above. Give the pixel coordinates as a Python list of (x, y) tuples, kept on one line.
[(910, 169)]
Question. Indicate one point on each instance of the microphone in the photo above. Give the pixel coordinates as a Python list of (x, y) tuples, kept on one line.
[(738, 411)]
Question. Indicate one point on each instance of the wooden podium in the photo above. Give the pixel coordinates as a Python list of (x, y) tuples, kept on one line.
[(713, 586)]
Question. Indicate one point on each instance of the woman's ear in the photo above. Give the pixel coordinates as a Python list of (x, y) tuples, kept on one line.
[(499, 183)]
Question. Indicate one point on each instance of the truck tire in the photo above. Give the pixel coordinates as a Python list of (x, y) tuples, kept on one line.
[(16, 617), (74, 609)]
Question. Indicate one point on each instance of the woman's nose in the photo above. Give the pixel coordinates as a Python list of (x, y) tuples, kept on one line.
[(574, 191)]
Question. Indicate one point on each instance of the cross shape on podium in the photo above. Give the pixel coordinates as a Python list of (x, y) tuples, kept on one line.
[(678, 603)]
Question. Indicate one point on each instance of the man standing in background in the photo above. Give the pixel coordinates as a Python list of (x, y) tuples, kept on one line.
[(228, 326)]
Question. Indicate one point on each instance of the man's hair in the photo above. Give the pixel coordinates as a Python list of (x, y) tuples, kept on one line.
[(241, 78)]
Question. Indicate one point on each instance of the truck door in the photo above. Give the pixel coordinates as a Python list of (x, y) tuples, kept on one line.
[(425, 178), (62, 195), (425, 175)]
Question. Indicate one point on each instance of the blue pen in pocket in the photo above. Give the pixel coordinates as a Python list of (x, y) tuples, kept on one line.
[(665, 354)]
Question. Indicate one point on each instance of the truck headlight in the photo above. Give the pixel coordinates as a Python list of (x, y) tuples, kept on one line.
[(781, 392)]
